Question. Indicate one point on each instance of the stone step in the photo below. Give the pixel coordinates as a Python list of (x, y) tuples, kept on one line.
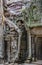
[(39, 62), (1, 64), (21, 64)]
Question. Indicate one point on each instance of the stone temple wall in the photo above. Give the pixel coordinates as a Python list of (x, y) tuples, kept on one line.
[(1, 34)]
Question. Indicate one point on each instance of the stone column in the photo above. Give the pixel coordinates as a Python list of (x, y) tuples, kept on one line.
[(29, 45), (29, 59), (8, 49), (1, 43), (1, 34), (33, 47)]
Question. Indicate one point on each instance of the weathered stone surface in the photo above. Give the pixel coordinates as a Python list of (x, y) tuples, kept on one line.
[(37, 31), (23, 64), (1, 34)]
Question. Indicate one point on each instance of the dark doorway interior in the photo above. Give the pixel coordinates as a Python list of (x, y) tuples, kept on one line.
[(39, 48)]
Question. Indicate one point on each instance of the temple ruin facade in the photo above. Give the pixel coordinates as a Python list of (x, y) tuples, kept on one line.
[(20, 31)]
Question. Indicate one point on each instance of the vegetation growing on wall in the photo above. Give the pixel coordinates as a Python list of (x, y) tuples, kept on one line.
[(31, 14)]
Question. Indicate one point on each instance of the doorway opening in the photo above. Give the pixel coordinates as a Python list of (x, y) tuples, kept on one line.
[(39, 48)]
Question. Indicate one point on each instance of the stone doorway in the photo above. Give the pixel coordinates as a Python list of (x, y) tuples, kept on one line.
[(36, 43), (39, 48)]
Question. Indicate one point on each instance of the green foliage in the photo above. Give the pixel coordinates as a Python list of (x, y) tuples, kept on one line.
[(31, 14)]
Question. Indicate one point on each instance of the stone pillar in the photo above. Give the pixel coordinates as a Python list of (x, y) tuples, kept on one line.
[(8, 49), (1, 42), (33, 48), (29, 45), (29, 59), (1, 34)]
